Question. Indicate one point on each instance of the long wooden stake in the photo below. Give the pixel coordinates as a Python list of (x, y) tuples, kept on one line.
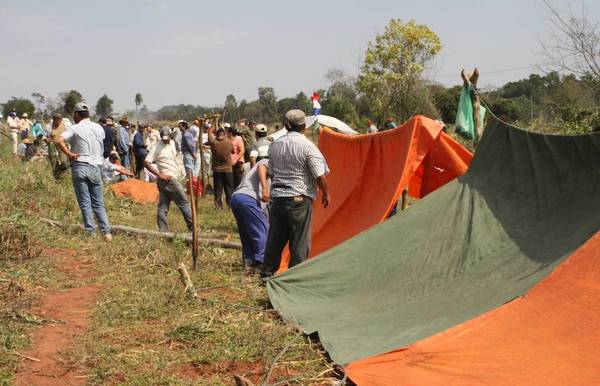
[(131, 231), (404, 199), (194, 221), (186, 280)]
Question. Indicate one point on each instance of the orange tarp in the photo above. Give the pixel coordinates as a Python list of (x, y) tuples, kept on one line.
[(369, 172), (139, 191), (550, 336)]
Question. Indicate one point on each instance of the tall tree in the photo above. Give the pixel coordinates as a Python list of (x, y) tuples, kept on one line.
[(230, 109), (70, 99), (138, 102), (391, 75), (268, 104), (39, 101), (19, 105), (104, 106)]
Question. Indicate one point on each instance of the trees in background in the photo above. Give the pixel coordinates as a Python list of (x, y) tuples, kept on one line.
[(69, 100), (391, 76), (104, 106), (19, 105)]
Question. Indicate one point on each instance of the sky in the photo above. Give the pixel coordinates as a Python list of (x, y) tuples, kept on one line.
[(197, 52)]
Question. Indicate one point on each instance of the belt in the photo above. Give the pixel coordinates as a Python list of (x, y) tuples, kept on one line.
[(290, 199)]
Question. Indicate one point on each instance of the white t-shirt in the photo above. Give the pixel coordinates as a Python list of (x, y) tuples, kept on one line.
[(86, 138), (165, 158)]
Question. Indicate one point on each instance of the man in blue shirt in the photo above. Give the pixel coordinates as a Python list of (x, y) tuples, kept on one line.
[(140, 150), (108, 136), (123, 141), (86, 155), (188, 149)]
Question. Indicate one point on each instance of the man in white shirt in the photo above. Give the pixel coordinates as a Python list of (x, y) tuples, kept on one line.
[(86, 154), (372, 128), (164, 156), (13, 130), (25, 126)]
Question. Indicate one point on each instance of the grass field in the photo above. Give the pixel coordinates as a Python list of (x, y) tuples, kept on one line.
[(144, 330)]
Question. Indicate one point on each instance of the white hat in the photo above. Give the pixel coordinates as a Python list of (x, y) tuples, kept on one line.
[(260, 128), (24, 115), (227, 125)]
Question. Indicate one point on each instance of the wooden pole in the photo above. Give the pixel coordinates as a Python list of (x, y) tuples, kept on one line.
[(194, 220), (404, 199), (131, 231)]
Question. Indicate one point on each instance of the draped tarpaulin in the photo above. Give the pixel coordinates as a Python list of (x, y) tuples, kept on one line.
[(550, 336), (369, 172), (527, 202)]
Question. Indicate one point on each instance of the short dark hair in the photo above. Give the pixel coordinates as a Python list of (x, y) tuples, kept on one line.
[(83, 114), (293, 127), (260, 134), (102, 121)]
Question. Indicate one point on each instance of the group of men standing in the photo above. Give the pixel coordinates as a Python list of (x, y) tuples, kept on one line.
[(270, 186)]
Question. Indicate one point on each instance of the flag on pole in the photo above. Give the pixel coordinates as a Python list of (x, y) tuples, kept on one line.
[(315, 101)]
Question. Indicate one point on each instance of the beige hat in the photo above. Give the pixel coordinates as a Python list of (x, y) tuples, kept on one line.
[(260, 128), (296, 117), (24, 115)]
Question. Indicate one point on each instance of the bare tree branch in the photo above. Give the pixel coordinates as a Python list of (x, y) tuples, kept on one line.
[(575, 47)]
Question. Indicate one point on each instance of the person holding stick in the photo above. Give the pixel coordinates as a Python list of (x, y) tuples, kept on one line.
[(164, 155)]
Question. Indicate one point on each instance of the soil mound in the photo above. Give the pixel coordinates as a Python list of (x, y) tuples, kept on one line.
[(139, 191)]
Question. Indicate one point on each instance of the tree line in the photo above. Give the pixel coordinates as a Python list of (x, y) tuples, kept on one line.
[(392, 84)]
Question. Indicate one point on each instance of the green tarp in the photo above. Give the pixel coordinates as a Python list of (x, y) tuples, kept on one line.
[(527, 202)]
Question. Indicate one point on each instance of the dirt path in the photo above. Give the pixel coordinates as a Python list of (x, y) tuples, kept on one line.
[(71, 309)]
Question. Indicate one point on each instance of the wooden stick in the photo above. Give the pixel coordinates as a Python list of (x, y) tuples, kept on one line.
[(404, 199), (27, 357), (171, 236), (194, 220), (186, 280)]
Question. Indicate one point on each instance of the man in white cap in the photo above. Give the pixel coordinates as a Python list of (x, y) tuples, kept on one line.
[(25, 126), (260, 150), (86, 155), (164, 156), (13, 130), (297, 168)]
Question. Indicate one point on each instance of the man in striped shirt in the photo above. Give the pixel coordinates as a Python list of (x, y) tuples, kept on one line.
[(297, 168)]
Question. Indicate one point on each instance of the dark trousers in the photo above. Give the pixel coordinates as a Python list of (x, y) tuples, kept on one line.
[(172, 191), (290, 220), (238, 174), (223, 181), (139, 164)]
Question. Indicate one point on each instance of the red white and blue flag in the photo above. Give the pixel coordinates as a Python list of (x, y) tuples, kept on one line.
[(315, 101)]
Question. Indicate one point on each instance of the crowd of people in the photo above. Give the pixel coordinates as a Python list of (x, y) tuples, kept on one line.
[(268, 185)]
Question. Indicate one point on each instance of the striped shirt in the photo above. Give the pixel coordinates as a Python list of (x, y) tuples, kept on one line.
[(295, 163)]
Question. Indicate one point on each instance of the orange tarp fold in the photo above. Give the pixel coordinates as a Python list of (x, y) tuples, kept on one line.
[(546, 337), (139, 191), (369, 172)]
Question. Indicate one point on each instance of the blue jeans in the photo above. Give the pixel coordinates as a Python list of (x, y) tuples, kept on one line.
[(172, 191), (253, 226), (190, 164), (87, 182)]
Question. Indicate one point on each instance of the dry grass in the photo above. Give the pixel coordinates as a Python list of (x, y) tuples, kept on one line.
[(145, 330)]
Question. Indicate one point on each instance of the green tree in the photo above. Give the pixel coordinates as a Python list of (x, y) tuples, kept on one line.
[(446, 101), (138, 102), (19, 105), (104, 106), (391, 75), (230, 109), (268, 104), (340, 108), (70, 99)]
